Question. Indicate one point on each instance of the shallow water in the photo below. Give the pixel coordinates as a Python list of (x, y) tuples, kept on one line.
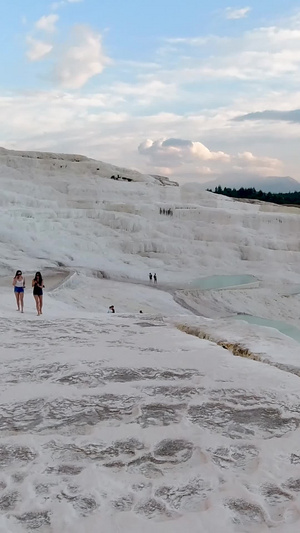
[(286, 329), (222, 281)]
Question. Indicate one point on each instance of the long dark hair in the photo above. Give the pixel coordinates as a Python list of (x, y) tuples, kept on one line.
[(18, 273), (38, 274)]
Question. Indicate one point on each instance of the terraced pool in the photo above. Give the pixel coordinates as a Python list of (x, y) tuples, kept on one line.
[(222, 281), (283, 327)]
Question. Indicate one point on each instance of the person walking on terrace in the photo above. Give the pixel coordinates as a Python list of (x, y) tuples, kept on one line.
[(38, 286), (19, 286)]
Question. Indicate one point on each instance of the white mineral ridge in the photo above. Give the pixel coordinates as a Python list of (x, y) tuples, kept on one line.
[(123, 423)]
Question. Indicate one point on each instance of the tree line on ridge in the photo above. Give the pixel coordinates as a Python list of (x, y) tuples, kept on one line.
[(287, 198)]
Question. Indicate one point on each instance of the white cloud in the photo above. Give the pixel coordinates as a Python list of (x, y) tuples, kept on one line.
[(178, 100), (196, 41), (47, 23), (172, 152), (235, 14), (202, 152), (61, 3), (264, 166), (263, 53), (248, 159), (81, 59), (183, 156), (144, 93), (37, 49), (99, 125)]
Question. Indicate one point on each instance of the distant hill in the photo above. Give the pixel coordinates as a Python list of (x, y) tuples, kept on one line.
[(274, 184)]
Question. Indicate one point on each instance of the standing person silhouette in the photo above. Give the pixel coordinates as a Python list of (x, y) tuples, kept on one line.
[(19, 286), (155, 278), (150, 276), (38, 286)]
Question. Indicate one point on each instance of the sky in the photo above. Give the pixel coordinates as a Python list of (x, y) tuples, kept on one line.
[(188, 89)]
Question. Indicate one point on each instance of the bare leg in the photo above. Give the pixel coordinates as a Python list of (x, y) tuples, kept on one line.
[(41, 304), (22, 301), (17, 295), (37, 303)]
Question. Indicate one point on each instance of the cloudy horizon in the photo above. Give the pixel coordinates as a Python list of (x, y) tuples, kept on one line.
[(193, 94)]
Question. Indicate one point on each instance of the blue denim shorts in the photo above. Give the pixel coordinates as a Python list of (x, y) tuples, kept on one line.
[(19, 289)]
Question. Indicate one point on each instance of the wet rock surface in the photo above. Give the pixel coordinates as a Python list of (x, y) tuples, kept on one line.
[(148, 435)]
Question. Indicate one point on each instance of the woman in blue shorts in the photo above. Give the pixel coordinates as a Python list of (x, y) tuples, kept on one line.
[(19, 286), (38, 287)]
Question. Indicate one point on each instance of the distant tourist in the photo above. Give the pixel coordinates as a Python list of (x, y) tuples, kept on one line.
[(150, 276), (38, 286), (19, 286), (111, 309), (155, 278)]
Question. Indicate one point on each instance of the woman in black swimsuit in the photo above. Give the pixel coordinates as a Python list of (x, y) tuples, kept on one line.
[(38, 287)]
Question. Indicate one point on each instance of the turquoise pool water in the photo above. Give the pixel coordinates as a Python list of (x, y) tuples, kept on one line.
[(286, 329), (222, 282)]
